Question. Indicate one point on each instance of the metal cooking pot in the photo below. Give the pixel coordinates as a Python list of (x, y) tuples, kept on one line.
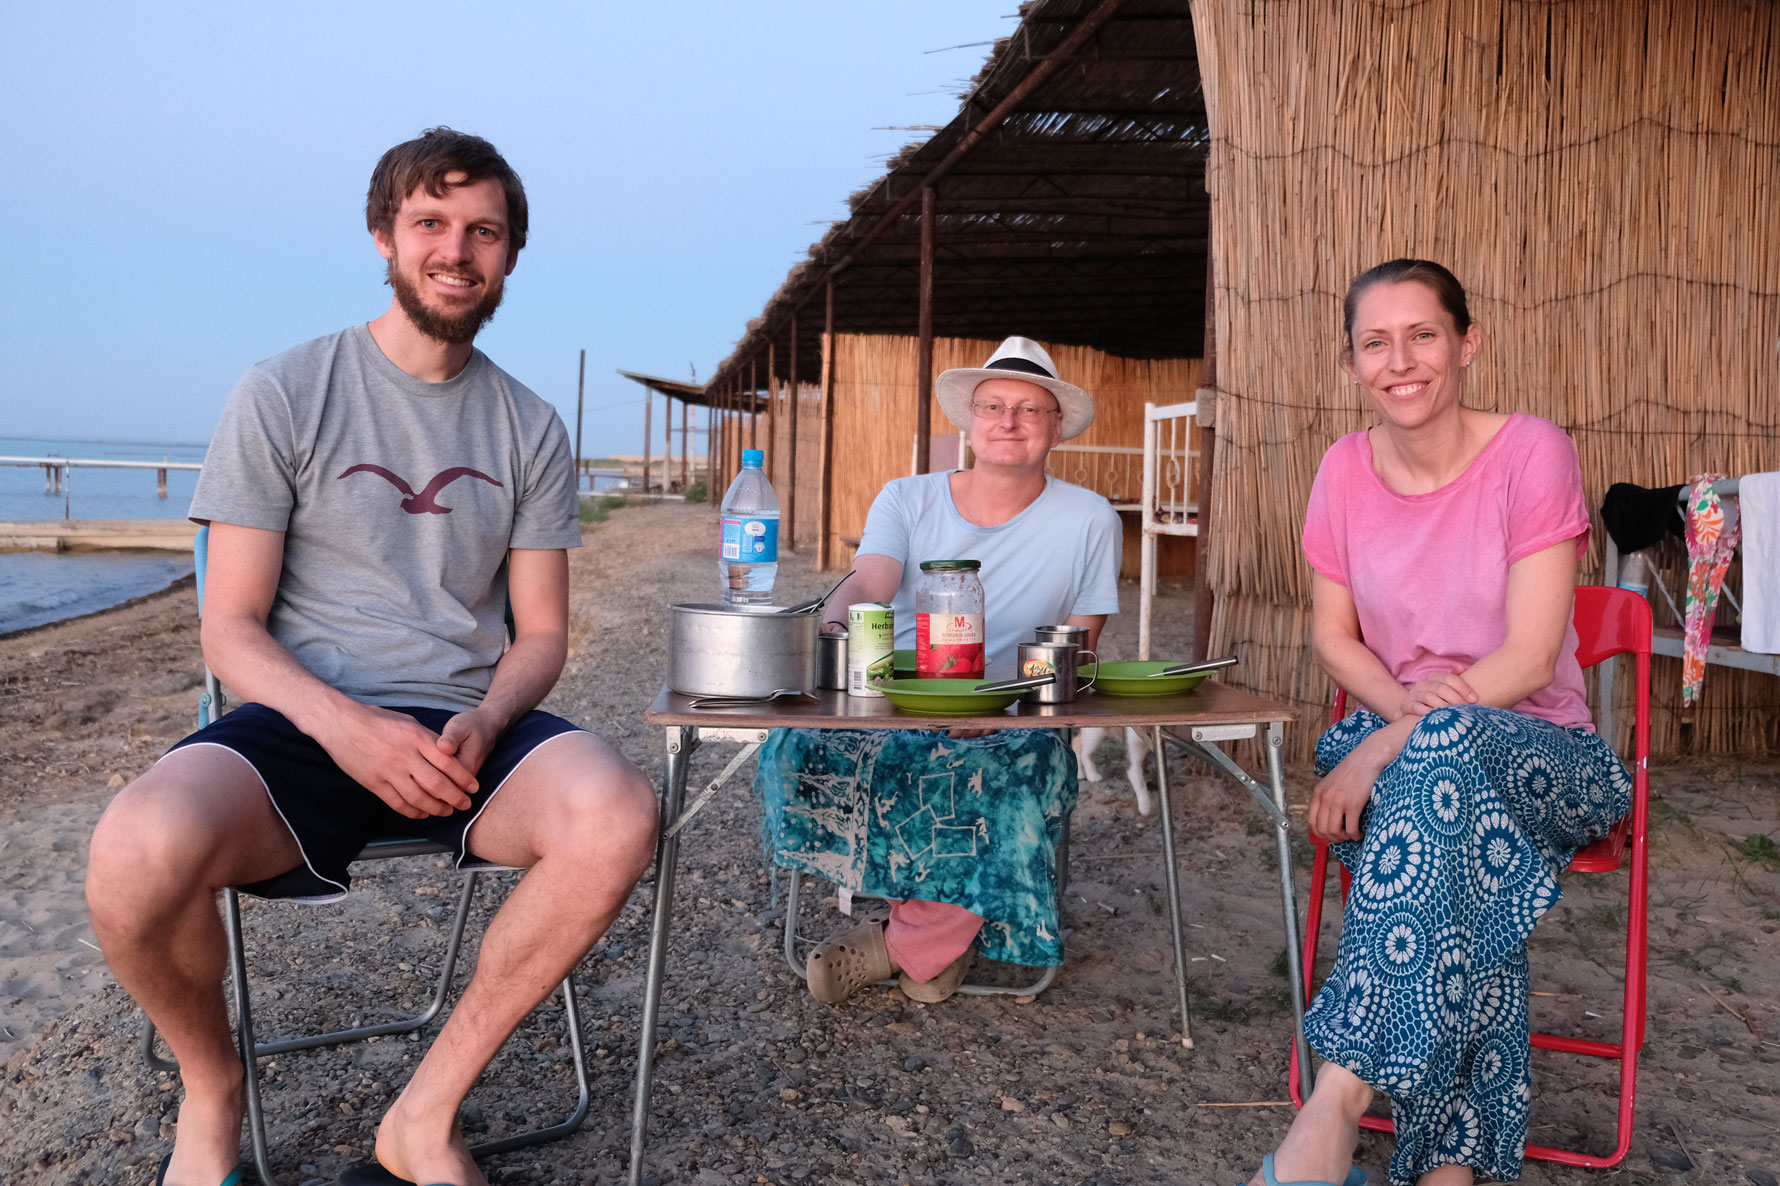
[(724, 650)]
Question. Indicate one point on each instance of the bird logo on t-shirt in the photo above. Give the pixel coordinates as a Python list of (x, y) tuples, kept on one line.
[(426, 501)]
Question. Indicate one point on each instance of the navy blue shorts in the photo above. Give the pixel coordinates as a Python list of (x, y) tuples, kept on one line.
[(331, 816)]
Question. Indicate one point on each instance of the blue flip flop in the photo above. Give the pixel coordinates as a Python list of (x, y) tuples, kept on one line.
[(234, 1178), (372, 1174), (1355, 1176)]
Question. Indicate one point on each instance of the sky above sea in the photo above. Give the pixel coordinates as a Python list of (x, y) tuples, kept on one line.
[(189, 181)]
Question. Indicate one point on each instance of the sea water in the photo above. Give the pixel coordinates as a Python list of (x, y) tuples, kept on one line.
[(41, 587)]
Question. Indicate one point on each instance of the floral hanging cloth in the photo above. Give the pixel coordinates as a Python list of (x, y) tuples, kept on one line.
[(1709, 547)]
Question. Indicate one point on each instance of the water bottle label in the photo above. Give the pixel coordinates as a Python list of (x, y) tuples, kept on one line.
[(751, 541)]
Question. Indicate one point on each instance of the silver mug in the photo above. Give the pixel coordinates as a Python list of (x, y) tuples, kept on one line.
[(1052, 658), (1075, 634)]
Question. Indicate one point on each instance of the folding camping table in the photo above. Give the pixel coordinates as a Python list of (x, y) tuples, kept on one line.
[(1196, 722)]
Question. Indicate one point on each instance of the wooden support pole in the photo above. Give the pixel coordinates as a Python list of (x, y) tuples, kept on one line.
[(161, 484), (580, 398), (719, 459), (753, 412), (685, 484), (924, 339), (772, 413), (648, 409), (1203, 603), (825, 479), (667, 441), (790, 534)]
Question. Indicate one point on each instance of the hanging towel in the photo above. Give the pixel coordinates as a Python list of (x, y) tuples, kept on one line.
[(1759, 495), (1709, 547)]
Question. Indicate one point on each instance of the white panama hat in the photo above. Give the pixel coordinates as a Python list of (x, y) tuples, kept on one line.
[(1016, 358)]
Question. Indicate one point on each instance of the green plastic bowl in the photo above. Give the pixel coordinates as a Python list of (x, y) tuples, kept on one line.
[(945, 697), (1129, 679)]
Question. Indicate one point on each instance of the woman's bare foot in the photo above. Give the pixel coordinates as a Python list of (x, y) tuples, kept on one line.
[(424, 1150), (207, 1137), (1321, 1142), (1447, 1175)]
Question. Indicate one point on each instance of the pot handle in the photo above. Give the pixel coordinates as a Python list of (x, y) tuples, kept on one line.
[(1091, 678)]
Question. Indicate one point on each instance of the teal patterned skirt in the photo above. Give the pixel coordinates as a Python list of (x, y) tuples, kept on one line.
[(973, 822)]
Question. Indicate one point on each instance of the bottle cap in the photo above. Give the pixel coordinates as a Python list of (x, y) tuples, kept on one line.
[(753, 456), (950, 565)]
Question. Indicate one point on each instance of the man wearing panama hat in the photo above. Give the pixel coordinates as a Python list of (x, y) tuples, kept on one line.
[(957, 830)]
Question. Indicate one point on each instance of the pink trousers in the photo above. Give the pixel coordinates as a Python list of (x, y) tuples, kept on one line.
[(924, 937)]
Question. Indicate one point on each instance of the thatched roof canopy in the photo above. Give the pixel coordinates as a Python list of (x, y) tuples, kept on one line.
[(1078, 215), (692, 393)]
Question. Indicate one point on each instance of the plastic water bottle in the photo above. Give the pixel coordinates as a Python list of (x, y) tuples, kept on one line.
[(748, 560)]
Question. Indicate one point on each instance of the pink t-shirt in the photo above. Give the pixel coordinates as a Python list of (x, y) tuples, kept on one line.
[(1429, 572)]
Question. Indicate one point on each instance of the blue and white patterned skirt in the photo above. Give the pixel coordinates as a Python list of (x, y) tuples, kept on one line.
[(1464, 840)]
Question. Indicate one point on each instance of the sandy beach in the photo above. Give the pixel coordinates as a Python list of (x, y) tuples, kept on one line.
[(756, 1082)]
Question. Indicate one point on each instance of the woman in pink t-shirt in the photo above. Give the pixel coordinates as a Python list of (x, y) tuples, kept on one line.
[(1444, 544)]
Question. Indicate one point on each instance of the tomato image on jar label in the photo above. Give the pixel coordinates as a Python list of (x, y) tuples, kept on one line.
[(949, 645)]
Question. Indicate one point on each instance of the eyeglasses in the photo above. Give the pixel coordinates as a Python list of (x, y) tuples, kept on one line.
[(1025, 413)]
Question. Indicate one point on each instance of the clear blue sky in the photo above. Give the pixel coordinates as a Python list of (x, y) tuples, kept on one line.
[(185, 182)]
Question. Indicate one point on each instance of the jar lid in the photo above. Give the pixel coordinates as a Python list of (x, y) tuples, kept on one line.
[(951, 565)]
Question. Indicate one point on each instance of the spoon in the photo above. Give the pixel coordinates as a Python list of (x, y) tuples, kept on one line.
[(815, 603), (1194, 668)]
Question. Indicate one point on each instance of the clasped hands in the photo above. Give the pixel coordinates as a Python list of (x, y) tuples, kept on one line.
[(415, 771), (1342, 795)]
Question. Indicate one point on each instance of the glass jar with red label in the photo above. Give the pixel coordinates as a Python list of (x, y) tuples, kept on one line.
[(949, 620)]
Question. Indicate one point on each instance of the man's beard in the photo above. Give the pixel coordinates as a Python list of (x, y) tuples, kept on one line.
[(453, 329)]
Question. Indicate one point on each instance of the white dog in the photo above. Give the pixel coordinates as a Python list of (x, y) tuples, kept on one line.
[(1089, 739)]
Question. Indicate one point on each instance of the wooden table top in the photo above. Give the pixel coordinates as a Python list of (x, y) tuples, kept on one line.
[(1211, 703)]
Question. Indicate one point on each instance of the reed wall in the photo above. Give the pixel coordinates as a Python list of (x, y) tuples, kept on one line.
[(1601, 175), (874, 424)]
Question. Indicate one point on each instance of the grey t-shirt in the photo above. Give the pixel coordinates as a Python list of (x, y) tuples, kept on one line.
[(398, 500), (1059, 556)]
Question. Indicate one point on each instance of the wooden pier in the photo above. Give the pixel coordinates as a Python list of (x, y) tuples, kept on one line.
[(68, 535)]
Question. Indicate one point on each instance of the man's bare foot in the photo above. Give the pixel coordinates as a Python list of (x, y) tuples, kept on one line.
[(425, 1150), (1320, 1145), (207, 1136)]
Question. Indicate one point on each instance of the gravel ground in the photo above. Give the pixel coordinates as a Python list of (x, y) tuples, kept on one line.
[(756, 1082)]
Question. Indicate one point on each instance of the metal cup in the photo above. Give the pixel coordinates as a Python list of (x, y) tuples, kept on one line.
[(831, 661), (1071, 634), (1047, 658)]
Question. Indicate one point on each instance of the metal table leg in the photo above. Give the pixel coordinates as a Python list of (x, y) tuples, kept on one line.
[(1174, 919), (680, 744), (1288, 891)]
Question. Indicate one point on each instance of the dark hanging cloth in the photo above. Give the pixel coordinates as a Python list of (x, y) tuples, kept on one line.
[(1636, 517)]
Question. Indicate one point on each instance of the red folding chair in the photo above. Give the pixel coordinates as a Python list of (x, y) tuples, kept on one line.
[(1609, 622)]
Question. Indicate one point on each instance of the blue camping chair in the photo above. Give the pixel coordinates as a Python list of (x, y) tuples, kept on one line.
[(210, 705)]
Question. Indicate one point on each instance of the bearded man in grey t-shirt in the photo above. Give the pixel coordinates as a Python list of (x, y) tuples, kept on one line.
[(377, 500)]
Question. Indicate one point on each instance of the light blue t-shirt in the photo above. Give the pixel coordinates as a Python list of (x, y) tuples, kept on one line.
[(1059, 556)]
